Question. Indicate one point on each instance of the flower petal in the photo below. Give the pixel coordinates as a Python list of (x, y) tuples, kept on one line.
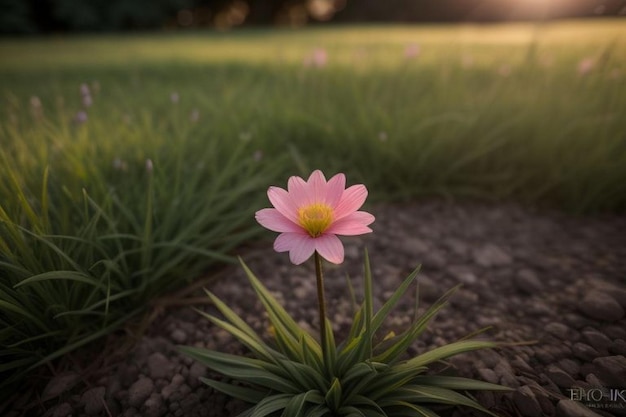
[(330, 248), (334, 189), (353, 224), (317, 186), (351, 200), (298, 191), (282, 201), (300, 246), (273, 220)]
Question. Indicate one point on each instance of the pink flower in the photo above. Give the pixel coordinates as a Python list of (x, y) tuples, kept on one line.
[(311, 214)]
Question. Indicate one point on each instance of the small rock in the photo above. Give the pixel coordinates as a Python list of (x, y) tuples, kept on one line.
[(570, 408), (488, 375), (527, 281), (615, 331), (597, 340), (601, 306), (179, 336), (526, 403), (491, 255), (584, 352), (464, 298), (462, 274), (490, 357), (139, 391), (159, 366), (414, 245), (558, 329), (569, 366), (559, 377), (196, 371), (60, 384), (611, 370), (63, 410), (521, 365), (154, 407), (618, 347), (93, 400)]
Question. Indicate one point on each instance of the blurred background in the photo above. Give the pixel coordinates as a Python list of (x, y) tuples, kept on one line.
[(53, 16)]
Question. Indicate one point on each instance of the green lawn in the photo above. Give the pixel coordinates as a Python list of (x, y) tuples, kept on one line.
[(98, 217)]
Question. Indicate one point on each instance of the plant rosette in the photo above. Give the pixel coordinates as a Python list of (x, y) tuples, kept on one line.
[(295, 375)]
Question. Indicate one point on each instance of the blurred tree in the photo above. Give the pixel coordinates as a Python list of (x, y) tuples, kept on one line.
[(26, 16), (16, 17)]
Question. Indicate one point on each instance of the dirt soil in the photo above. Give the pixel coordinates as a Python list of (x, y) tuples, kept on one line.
[(532, 275)]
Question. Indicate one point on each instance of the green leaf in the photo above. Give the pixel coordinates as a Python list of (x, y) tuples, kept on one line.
[(381, 314), (408, 337), (406, 409), (318, 411), (306, 377), (249, 370), (333, 396), (425, 394), (245, 394), (330, 350), (279, 317), (271, 404), (63, 275), (296, 406), (448, 350), (391, 380), (254, 344)]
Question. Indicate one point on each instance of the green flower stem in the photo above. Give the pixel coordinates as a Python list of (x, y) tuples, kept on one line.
[(322, 305)]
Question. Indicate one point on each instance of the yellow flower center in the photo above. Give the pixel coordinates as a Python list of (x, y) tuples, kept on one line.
[(315, 218)]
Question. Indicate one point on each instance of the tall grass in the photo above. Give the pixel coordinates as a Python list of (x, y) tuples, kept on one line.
[(186, 132)]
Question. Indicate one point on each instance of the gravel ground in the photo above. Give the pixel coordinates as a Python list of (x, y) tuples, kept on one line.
[(538, 276)]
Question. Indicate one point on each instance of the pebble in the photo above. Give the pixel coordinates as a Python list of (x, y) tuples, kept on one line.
[(462, 274), (159, 366), (558, 329), (597, 340), (526, 402), (93, 400), (526, 280), (615, 331), (196, 371), (570, 408), (584, 352), (611, 370), (488, 375), (561, 378), (601, 306), (154, 407), (491, 255), (179, 336), (63, 410), (618, 347), (59, 384), (569, 366), (140, 391)]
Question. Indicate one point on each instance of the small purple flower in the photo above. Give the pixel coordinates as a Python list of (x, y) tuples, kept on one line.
[(87, 101), (80, 117), (412, 51), (84, 89), (174, 97)]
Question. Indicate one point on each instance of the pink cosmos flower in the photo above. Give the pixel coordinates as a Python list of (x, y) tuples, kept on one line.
[(310, 214)]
